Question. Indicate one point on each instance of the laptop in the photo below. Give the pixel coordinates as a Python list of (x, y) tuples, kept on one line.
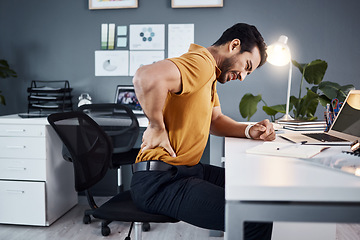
[(344, 130), (126, 95)]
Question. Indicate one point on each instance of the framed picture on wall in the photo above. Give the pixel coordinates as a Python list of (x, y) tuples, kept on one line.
[(112, 4), (196, 3)]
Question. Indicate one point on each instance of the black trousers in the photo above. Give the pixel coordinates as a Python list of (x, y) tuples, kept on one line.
[(195, 195)]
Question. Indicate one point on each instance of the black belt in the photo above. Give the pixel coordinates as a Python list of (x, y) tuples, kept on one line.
[(151, 165)]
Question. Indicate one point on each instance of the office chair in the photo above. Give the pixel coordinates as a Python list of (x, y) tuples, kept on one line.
[(123, 128), (121, 125), (91, 149)]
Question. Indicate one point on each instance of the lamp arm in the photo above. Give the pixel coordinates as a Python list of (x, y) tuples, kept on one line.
[(287, 116), (288, 90)]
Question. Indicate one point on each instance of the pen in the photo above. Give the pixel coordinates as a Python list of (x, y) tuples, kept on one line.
[(292, 145)]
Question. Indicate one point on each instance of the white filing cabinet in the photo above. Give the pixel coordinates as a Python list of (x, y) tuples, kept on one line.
[(36, 183)]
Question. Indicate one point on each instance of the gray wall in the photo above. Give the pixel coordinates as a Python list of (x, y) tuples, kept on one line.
[(56, 40)]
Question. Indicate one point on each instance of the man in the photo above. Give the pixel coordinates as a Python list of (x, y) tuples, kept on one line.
[(179, 97)]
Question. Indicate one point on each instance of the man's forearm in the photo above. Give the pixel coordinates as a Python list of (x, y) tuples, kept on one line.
[(227, 127)]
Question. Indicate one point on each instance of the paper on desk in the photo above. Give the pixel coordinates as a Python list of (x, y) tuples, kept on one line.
[(286, 150)]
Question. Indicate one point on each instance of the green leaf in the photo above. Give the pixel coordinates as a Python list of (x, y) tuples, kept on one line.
[(295, 102), (2, 100), (308, 104), (333, 90), (274, 109), (343, 92), (315, 71), (330, 89), (4, 63), (300, 66), (5, 70), (314, 88), (248, 105), (269, 111), (324, 100), (305, 107)]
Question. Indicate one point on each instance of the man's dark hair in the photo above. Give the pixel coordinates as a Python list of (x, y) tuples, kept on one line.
[(249, 37)]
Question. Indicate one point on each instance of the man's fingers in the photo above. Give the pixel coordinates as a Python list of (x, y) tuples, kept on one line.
[(171, 152), (268, 136), (259, 127), (169, 149), (143, 147), (264, 130)]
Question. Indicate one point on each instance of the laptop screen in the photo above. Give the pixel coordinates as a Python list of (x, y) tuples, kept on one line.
[(126, 95), (348, 119)]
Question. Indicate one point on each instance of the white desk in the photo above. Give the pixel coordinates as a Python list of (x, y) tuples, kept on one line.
[(265, 188)]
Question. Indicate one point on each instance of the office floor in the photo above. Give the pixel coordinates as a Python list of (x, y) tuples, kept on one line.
[(70, 226)]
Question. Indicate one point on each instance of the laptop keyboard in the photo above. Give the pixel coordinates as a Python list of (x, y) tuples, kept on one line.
[(323, 137)]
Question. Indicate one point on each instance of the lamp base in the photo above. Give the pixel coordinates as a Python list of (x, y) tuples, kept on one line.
[(286, 117)]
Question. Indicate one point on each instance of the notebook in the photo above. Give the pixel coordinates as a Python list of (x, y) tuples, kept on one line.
[(126, 95), (344, 130), (286, 150)]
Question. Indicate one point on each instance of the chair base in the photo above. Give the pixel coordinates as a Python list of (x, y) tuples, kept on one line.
[(105, 229)]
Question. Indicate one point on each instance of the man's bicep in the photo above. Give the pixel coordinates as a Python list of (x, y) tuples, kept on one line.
[(161, 75), (167, 72), (216, 112)]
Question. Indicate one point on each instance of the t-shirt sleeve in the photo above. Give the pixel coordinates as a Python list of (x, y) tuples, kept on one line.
[(217, 101), (195, 71)]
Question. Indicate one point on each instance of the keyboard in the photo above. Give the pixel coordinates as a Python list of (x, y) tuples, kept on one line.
[(356, 153), (324, 137)]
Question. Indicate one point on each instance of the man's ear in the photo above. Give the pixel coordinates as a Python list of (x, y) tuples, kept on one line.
[(235, 44)]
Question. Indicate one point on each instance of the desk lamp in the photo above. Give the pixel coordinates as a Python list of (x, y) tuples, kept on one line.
[(279, 55)]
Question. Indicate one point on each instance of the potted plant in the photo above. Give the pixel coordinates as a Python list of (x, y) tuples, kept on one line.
[(5, 72), (303, 107)]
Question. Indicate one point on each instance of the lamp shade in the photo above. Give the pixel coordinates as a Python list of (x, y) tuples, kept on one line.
[(279, 52), (354, 101)]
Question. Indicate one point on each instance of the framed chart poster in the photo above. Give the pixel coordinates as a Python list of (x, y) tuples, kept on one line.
[(196, 3), (112, 4), (147, 37)]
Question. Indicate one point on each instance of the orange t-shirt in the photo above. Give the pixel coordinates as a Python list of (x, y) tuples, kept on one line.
[(187, 115)]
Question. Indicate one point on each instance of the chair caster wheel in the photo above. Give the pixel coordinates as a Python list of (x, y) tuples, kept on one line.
[(127, 238), (86, 219), (146, 227), (105, 231)]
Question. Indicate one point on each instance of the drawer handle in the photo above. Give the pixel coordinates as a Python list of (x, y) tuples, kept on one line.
[(15, 191), (17, 168), (15, 130), (15, 147)]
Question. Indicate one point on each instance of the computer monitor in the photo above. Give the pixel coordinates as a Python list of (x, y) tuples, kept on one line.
[(126, 95)]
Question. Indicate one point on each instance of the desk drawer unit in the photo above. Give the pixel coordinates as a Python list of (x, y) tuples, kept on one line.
[(20, 147), (24, 169), (36, 184), (23, 160), (17, 130), (22, 202)]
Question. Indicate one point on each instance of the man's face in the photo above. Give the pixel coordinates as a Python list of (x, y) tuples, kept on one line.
[(238, 65)]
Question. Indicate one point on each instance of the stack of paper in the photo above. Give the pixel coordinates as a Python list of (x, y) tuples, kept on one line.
[(286, 149), (303, 126)]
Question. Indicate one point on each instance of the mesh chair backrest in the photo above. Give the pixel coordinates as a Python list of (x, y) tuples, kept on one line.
[(89, 146), (118, 121)]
